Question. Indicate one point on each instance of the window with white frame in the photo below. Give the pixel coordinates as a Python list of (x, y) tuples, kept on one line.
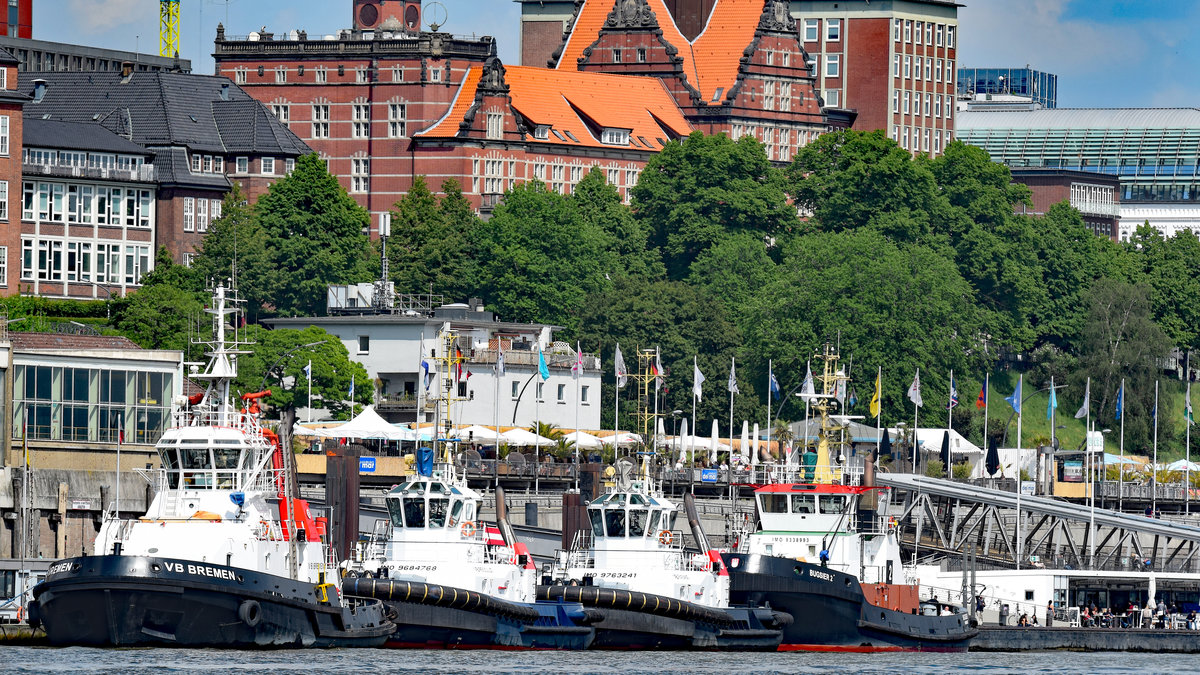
[(397, 115), (937, 71), (833, 65), (268, 166), (280, 75), (928, 33), (493, 177), (950, 37), (833, 98), (397, 74), (4, 135), (928, 103), (495, 126), (896, 29), (937, 39), (289, 165), (895, 101), (904, 138), (937, 142), (3, 200), (189, 214), (360, 179), (320, 75), (925, 147), (811, 30), (907, 96), (202, 215), (282, 111), (949, 72), (242, 165), (361, 76), (907, 67), (197, 163), (217, 205), (833, 30), (360, 114), (908, 31), (928, 68), (320, 120), (239, 76), (896, 66), (937, 106), (768, 95)]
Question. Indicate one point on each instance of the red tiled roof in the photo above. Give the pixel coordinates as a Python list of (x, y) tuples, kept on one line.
[(68, 341), (558, 98), (710, 62)]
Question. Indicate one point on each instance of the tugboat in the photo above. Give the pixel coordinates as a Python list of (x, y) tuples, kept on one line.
[(651, 592), (826, 552), (449, 579), (225, 556)]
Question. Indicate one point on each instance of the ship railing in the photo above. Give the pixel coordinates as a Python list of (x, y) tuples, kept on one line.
[(848, 473)]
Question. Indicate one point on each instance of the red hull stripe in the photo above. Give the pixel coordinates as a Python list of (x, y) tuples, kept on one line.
[(858, 649)]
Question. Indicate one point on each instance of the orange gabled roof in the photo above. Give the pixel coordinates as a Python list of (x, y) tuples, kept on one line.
[(718, 50), (561, 99), (558, 98), (710, 62), (463, 100)]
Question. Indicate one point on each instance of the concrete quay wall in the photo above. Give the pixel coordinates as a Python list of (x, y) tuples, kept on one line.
[(1014, 638)]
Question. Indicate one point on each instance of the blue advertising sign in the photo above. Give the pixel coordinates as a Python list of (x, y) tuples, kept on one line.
[(366, 465), (708, 475)]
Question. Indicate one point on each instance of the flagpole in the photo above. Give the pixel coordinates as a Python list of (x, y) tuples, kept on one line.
[(309, 376), (1187, 443), (986, 400), (770, 375), (120, 432), (495, 412), (950, 405), (692, 444), (1020, 414), (915, 449), (1154, 464), (879, 417), (733, 383), (617, 406), (537, 426), (1121, 468)]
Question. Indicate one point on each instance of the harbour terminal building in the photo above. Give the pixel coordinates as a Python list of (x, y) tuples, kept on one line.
[(1154, 153)]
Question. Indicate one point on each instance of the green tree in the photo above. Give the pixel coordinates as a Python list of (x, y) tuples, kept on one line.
[(599, 204), (691, 194), (1171, 267), (236, 248), (283, 351), (733, 271), (1121, 341), (165, 310), (539, 259), (314, 238)]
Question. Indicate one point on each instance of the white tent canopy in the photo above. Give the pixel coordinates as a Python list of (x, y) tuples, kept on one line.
[(525, 437), (625, 439), (477, 434), (1183, 465), (583, 440), (368, 424)]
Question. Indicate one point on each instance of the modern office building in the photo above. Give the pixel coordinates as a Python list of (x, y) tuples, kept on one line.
[(1097, 196), (1153, 152), (46, 56), (392, 344), (1036, 86), (17, 22)]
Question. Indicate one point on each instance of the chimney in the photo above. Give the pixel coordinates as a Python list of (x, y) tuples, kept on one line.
[(224, 91), (39, 90)]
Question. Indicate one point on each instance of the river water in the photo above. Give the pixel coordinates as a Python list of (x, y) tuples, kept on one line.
[(80, 661)]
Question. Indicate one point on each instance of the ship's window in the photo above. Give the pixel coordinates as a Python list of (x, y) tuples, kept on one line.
[(637, 499), (194, 458), (637, 522), (394, 510), (437, 512), (653, 527), (803, 504), (614, 521), (414, 511), (668, 520), (774, 503), (597, 522), (226, 458), (455, 512), (832, 503), (170, 461)]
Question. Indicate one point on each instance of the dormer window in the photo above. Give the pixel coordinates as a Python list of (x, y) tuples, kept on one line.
[(615, 137), (542, 132)]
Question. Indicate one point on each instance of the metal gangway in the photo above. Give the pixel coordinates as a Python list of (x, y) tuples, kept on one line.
[(943, 516)]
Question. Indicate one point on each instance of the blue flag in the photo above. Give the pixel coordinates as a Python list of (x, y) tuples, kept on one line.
[(1015, 399), (308, 370), (351, 397), (1052, 404), (543, 370), (1120, 400), (774, 384)]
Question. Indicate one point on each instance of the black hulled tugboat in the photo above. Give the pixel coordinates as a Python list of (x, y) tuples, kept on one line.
[(225, 556), (826, 552)]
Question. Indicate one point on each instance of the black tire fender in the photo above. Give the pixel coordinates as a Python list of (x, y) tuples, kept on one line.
[(250, 612)]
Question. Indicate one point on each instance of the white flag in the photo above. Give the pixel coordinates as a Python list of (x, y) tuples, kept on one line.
[(914, 390), (1087, 400), (308, 370), (697, 379), (499, 358), (807, 389), (622, 374), (733, 388), (577, 368)]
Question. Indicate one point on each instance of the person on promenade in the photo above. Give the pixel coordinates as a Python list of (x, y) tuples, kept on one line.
[(1049, 613)]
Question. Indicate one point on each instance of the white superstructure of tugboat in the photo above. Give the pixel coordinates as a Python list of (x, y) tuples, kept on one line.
[(224, 556), (652, 592), (826, 551), (452, 580)]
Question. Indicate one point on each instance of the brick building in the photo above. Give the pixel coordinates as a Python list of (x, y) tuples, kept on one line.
[(119, 164), (386, 101), (742, 72), (877, 64), (1096, 196), (11, 133), (17, 22)]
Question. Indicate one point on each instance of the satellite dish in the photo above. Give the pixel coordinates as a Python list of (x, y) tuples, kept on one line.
[(433, 10)]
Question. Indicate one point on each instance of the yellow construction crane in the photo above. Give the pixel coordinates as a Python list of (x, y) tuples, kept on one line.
[(168, 28)]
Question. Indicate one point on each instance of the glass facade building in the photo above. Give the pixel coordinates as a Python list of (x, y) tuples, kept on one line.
[(1037, 85), (61, 403), (1155, 153)]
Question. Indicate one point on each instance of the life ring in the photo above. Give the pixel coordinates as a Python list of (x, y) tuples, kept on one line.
[(20, 613), (666, 538), (468, 529), (250, 612)]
